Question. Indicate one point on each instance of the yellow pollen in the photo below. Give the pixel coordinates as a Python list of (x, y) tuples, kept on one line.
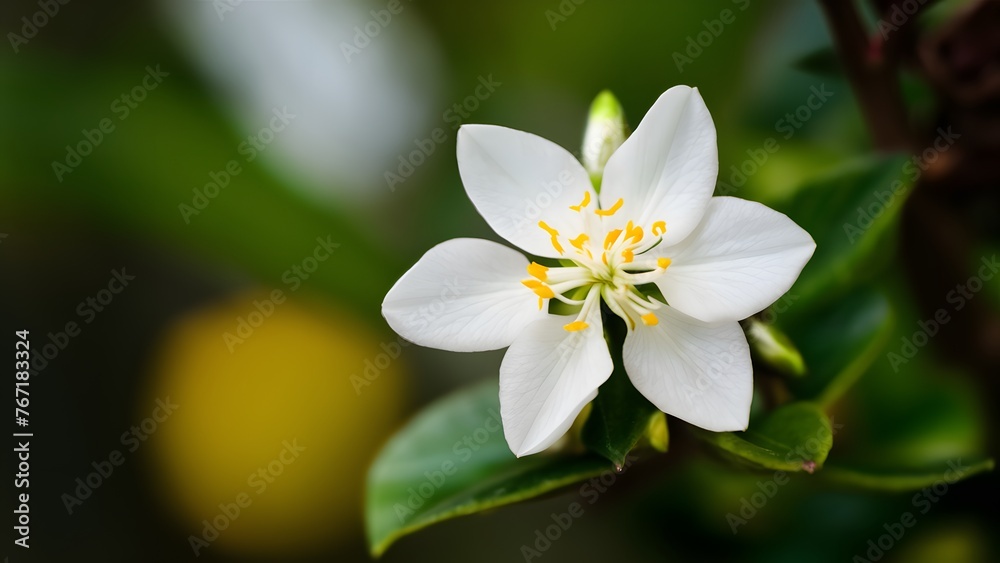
[(609, 212), (628, 255), (576, 326), (584, 203), (548, 229), (633, 232), (663, 263), (659, 228), (578, 241), (611, 238), (538, 271), (649, 319)]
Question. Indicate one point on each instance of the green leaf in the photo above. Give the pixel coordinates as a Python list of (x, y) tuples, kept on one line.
[(849, 214), (452, 460), (621, 417), (906, 479), (839, 343), (794, 437)]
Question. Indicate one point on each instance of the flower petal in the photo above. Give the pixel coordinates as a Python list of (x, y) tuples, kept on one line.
[(547, 376), (517, 179), (696, 371), (741, 258), (666, 170), (463, 295)]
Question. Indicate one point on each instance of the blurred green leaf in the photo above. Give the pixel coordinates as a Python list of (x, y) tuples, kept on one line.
[(452, 460), (907, 479), (795, 437), (770, 345), (839, 343), (849, 214), (621, 416)]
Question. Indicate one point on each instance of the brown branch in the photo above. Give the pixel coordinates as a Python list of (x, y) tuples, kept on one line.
[(873, 79)]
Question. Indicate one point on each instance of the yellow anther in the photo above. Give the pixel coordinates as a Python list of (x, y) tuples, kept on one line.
[(538, 271), (576, 326), (659, 228), (557, 246), (578, 241), (649, 319), (548, 229), (540, 303), (543, 291), (611, 238), (584, 203), (532, 284), (663, 263), (628, 256), (604, 258), (633, 232), (609, 212)]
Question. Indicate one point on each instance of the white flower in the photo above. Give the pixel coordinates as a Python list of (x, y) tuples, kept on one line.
[(715, 260)]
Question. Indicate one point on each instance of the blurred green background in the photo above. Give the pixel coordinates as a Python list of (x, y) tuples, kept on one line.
[(249, 148)]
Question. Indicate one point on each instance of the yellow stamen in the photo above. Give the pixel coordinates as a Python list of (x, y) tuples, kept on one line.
[(584, 203), (659, 228), (649, 319), (663, 263), (611, 238), (609, 212), (538, 271), (540, 303), (576, 326), (604, 258), (628, 255), (548, 229), (545, 292), (557, 246), (633, 232), (532, 284), (578, 241)]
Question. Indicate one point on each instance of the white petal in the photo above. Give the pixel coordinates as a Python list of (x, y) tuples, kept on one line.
[(666, 170), (696, 371), (741, 258), (547, 376), (517, 179), (463, 295)]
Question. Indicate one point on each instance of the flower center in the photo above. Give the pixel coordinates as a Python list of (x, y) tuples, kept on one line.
[(611, 271)]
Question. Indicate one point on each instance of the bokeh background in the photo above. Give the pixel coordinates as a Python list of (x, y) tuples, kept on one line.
[(262, 146)]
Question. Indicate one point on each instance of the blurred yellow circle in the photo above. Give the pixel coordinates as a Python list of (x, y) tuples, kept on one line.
[(280, 408)]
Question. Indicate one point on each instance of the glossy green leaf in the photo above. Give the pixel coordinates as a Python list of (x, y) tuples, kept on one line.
[(839, 343), (849, 214), (621, 417), (452, 460), (795, 437), (907, 479)]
